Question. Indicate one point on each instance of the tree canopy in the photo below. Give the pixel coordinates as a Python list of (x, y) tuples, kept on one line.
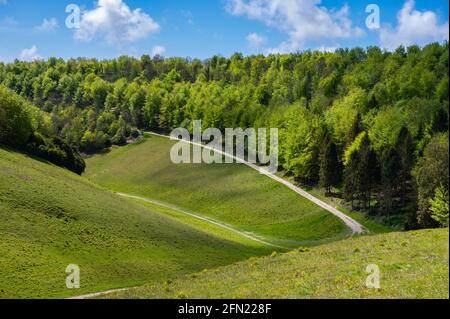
[(371, 102)]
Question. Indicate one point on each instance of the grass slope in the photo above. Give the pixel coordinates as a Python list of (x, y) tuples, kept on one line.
[(232, 193), (50, 218), (413, 265)]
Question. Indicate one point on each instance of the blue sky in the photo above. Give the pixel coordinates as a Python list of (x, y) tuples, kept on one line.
[(32, 29)]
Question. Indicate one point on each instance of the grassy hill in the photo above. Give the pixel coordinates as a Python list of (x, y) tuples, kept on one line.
[(50, 218), (413, 265), (232, 193)]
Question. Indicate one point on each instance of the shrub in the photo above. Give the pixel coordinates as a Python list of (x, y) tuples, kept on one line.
[(94, 141), (56, 151)]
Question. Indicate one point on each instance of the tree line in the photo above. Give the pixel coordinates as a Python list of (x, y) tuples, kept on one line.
[(367, 123)]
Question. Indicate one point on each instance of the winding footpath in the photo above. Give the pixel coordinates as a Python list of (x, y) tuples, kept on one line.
[(202, 218), (356, 227)]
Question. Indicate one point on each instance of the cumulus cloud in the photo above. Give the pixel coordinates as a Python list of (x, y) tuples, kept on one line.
[(255, 40), (158, 50), (48, 25), (413, 27), (301, 20), (30, 54), (114, 21)]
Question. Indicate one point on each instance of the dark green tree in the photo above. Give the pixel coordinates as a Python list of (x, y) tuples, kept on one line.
[(390, 165), (330, 167), (351, 179), (404, 148)]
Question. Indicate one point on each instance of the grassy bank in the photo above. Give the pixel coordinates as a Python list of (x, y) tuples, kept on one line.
[(412, 265), (50, 218)]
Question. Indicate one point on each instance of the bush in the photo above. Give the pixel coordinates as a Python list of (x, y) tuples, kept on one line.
[(94, 141), (119, 139), (135, 133), (56, 151)]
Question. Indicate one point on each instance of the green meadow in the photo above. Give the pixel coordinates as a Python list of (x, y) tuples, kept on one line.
[(233, 193), (365, 131), (206, 231), (411, 265), (50, 218)]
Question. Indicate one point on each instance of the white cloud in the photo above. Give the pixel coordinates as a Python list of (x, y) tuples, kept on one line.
[(48, 25), (413, 27), (328, 49), (158, 50), (255, 40), (115, 22), (30, 54), (301, 20)]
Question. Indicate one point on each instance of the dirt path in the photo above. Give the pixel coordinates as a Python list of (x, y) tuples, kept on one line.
[(356, 227), (99, 294), (205, 219), (179, 210)]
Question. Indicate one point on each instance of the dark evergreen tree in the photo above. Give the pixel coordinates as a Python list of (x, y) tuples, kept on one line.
[(330, 167), (355, 130), (390, 165), (368, 172), (351, 179), (405, 153)]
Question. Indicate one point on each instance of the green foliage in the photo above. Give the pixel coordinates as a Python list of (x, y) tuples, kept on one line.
[(122, 131), (442, 90), (399, 100), (330, 167), (97, 91), (405, 152), (93, 104), (389, 178), (94, 141), (431, 173), (21, 125), (56, 151), (16, 120), (362, 171), (300, 150), (386, 128), (354, 147), (439, 206), (343, 113)]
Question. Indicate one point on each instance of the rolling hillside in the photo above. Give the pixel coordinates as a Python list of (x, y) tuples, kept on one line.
[(50, 218), (412, 265), (232, 193)]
